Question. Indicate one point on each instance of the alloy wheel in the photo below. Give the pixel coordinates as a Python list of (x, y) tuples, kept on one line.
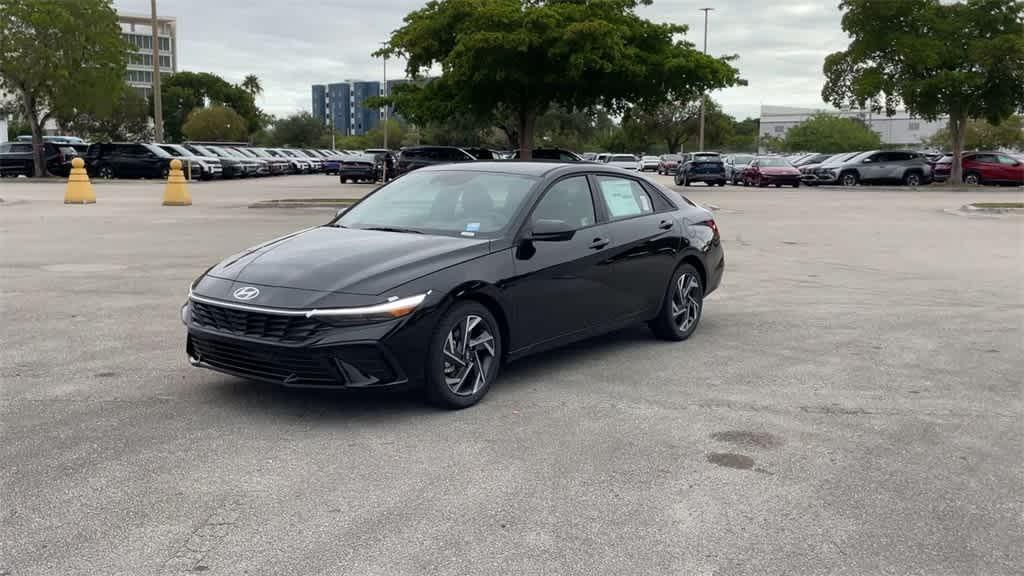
[(849, 180), (469, 353), (972, 179), (106, 173), (685, 307), (913, 180)]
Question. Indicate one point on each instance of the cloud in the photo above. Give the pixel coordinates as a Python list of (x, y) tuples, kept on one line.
[(290, 46)]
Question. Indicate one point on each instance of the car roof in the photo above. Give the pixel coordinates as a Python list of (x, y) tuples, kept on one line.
[(523, 167)]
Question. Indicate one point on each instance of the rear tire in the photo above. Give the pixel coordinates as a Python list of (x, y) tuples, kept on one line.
[(912, 179), (972, 178), (464, 356), (682, 307), (106, 172)]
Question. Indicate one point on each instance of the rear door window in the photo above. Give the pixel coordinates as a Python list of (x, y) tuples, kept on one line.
[(624, 198)]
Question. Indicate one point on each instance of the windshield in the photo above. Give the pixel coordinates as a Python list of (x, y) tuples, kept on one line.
[(780, 162), (623, 158), (450, 202), (672, 157), (650, 158), (160, 152), (170, 149), (707, 158), (742, 159)]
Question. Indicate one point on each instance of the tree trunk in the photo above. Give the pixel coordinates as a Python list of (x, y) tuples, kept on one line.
[(527, 121), (673, 144), (956, 133), (38, 150)]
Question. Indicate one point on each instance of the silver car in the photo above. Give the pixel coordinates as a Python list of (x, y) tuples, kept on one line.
[(884, 166), (627, 161), (734, 166)]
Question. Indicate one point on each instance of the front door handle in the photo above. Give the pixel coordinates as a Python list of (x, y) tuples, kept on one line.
[(666, 224), (599, 243)]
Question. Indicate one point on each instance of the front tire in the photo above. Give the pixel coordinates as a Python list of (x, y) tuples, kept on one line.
[(465, 356), (972, 179), (684, 303), (912, 179), (106, 172), (849, 179)]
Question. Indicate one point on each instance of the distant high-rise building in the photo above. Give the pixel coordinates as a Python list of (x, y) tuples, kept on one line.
[(138, 31), (342, 105)]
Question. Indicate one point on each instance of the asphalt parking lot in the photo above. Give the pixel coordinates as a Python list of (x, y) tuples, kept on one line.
[(851, 404)]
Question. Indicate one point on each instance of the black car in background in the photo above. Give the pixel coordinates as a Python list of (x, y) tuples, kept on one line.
[(357, 168), (16, 158), (443, 275), (551, 154), (416, 157), (701, 167), (128, 160)]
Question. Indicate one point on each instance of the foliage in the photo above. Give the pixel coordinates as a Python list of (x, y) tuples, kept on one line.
[(744, 136), (58, 57), (252, 85), (183, 92), (123, 118), (520, 57), (301, 129), (216, 123), (964, 59), (981, 135), (826, 133)]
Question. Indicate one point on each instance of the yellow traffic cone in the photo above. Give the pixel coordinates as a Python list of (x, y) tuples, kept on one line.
[(176, 192), (79, 190)]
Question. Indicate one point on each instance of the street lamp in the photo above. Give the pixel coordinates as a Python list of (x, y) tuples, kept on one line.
[(700, 138), (384, 171)]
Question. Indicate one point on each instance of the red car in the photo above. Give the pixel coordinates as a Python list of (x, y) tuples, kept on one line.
[(984, 168), (771, 170), (669, 163)]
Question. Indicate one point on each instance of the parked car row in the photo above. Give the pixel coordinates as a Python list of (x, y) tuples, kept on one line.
[(201, 160), (996, 168)]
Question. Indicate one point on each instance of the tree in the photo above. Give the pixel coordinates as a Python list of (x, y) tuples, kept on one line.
[(124, 118), (827, 133), (744, 136), (57, 57), (301, 129), (252, 85), (216, 123), (980, 135), (672, 122), (964, 59), (183, 92), (522, 56)]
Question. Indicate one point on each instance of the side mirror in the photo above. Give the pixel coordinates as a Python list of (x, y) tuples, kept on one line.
[(545, 230)]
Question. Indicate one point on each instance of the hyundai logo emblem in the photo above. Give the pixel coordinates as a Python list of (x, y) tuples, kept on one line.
[(246, 293)]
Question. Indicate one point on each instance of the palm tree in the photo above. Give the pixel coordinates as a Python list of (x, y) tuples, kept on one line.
[(252, 85)]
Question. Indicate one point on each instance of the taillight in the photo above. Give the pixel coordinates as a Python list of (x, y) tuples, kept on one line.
[(710, 224)]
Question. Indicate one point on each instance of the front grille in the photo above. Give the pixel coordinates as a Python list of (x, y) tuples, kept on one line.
[(256, 324), (295, 367)]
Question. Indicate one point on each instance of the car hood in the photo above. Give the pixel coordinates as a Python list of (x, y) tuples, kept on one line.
[(347, 260)]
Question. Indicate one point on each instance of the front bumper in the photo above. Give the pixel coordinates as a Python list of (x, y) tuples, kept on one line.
[(307, 353)]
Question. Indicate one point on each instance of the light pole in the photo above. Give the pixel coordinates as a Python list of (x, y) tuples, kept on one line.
[(158, 113), (700, 138), (384, 171)]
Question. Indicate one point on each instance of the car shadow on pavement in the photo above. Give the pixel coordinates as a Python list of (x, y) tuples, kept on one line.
[(255, 397)]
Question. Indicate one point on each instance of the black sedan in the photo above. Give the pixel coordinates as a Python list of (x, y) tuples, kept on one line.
[(444, 274)]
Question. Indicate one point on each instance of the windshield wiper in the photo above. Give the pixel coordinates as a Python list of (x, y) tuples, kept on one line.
[(394, 229)]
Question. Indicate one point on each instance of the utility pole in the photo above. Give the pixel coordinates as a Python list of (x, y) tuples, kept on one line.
[(158, 113), (386, 154), (700, 138)]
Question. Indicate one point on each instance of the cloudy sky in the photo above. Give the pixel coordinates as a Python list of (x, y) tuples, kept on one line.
[(781, 43)]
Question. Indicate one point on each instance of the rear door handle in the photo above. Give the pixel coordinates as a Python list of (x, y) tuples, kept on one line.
[(666, 224), (599, 243)]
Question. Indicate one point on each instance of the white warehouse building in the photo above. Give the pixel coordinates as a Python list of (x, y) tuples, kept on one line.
[(901, 129)]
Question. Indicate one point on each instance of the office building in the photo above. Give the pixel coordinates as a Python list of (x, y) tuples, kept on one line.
[(138, 31), (342, 105), (901, 129)]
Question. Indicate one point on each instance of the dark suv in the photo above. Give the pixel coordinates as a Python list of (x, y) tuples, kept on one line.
[(552, 154), (16, 158), (415, 157), (701, 167), (128, 160)]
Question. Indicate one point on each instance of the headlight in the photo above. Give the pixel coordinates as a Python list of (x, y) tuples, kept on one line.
[(370, 314)]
